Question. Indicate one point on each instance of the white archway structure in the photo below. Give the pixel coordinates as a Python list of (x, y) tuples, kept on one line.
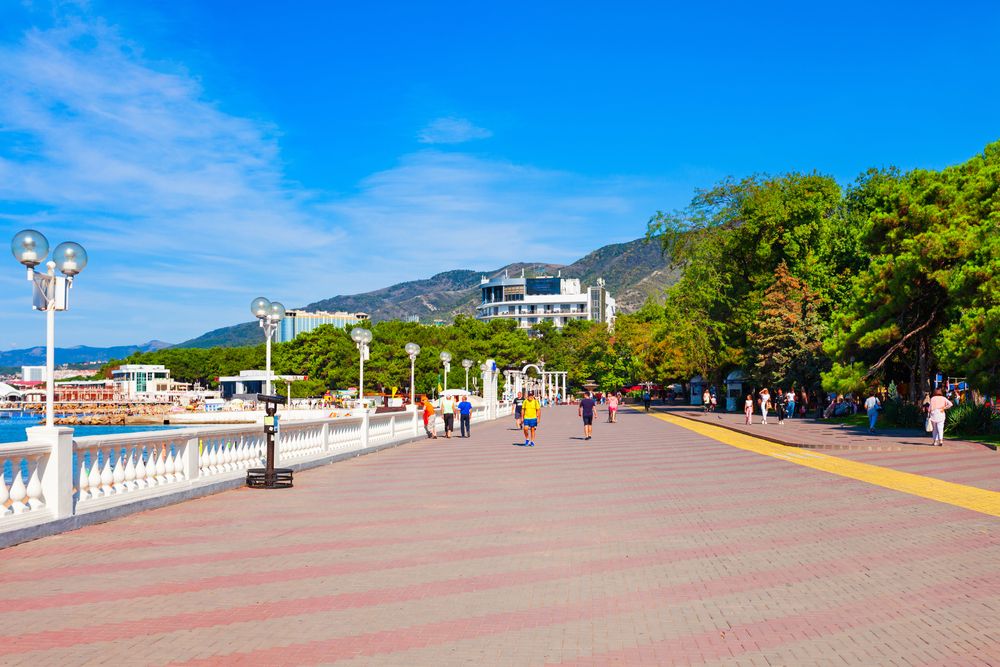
[(548, 385)]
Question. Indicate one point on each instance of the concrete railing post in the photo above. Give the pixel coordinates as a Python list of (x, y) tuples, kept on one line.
[(325, 436), (192, 467), (364, 429), (57, 476)]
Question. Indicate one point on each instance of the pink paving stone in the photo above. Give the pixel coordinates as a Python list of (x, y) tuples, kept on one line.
[(641, 497)]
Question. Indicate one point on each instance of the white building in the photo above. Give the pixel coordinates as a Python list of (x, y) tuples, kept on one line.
[(138, 380), (33, 373), (300, 321), (531, 301)]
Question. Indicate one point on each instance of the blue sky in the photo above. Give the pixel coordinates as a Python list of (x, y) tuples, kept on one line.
[(206, 153)]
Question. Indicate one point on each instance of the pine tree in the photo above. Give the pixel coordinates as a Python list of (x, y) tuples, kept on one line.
[(786, 342)]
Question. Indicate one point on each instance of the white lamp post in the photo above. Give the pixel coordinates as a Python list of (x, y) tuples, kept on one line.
[(412, 350), (50, 292), (362, 337), (467, 364), (270, 314), (445, 357)]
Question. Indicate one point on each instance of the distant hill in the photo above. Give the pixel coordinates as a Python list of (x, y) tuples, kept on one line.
[(81, 354), (633, 272)]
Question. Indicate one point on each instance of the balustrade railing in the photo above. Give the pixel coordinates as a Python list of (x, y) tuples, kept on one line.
[(54, 476)]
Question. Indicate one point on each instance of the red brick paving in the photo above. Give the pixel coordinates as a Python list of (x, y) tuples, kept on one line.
[(647, 545)]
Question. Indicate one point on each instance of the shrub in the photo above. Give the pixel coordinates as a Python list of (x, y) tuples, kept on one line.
[(971, 419), (903, 414)]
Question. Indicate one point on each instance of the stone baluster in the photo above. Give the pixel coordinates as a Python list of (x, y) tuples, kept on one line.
[(107, 476), (17, 490), (83, 483), (119, 476), (161, 465), (130, 472), (140, 470), (4, 494), (34, 489), (94, 477)]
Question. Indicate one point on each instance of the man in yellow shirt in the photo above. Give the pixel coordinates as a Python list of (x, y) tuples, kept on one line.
[(531, 411)]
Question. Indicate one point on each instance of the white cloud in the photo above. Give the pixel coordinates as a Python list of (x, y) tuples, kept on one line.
[(451, 130)]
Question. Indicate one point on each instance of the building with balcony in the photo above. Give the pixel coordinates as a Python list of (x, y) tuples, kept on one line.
[(531, 301), (300, 321)]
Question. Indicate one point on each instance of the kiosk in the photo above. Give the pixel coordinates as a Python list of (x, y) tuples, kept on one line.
[(696, 388), (734, 390), (270, 477)]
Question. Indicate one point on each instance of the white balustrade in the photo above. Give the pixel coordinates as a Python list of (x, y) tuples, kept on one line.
[(52, 476)]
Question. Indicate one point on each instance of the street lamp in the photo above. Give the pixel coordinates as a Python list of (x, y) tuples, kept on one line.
[(445, 357), (49, 292), (467, 364), (361, 337), (412, 350), (270, 314)]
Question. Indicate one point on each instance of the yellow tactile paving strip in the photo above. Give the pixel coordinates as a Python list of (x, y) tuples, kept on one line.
[(960, 495)]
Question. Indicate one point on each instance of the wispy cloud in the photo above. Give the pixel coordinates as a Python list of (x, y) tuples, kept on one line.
[(451, 130)]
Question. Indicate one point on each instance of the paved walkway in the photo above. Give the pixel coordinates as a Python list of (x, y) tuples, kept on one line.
[(650, 544)]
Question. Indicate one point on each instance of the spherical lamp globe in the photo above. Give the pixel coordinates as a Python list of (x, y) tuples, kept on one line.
[(360, 335), (70, 258), (467, 363), (445, 356), (412, 349), (260, 307), (276, 312), (29, 247)]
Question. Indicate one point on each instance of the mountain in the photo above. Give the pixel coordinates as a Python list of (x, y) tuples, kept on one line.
[(81, 354), (632, 271)]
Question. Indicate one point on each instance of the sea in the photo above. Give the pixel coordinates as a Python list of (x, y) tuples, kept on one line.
[(13, 425)]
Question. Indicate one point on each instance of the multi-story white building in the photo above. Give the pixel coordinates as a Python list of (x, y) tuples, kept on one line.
[(33, 373), (531, 301), (299, 321)]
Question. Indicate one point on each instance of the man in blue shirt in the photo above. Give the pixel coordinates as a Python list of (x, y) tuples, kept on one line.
[(465, 416)]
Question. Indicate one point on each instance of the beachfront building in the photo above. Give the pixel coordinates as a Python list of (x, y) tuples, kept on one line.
[(144, 382), (531, 301), (247, 382), (300, 321)]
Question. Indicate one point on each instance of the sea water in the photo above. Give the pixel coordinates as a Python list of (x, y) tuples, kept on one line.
[(12, 429)]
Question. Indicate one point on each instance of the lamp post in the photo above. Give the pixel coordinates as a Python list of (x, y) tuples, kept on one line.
[(270, 314), (467, 364), (361, 337), (50, 292), (412, 350), (445, 357)]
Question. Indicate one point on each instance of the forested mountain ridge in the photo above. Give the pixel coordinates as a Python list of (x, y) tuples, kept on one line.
[(633, 272)]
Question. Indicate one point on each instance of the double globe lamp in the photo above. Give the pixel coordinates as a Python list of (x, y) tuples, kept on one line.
[(50, 292), (362, 337), (270, 314)]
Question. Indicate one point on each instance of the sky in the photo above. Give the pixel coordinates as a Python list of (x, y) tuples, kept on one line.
[(206, 153)]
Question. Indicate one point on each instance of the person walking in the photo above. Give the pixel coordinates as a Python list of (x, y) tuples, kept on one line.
[(938, 405), (531, 411), (779, 405), (765, 404), (518, 402), (465, 416), (448, 409), (646, 398), (706, 399), (748, 409), (430, 419), (612, 409), (588, 406), (713, 402), (872, 407), (790, 403)]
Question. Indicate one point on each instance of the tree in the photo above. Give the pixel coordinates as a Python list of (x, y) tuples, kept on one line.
[(786, 347)]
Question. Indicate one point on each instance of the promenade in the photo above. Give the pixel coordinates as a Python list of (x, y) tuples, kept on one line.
[(660, 541)]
